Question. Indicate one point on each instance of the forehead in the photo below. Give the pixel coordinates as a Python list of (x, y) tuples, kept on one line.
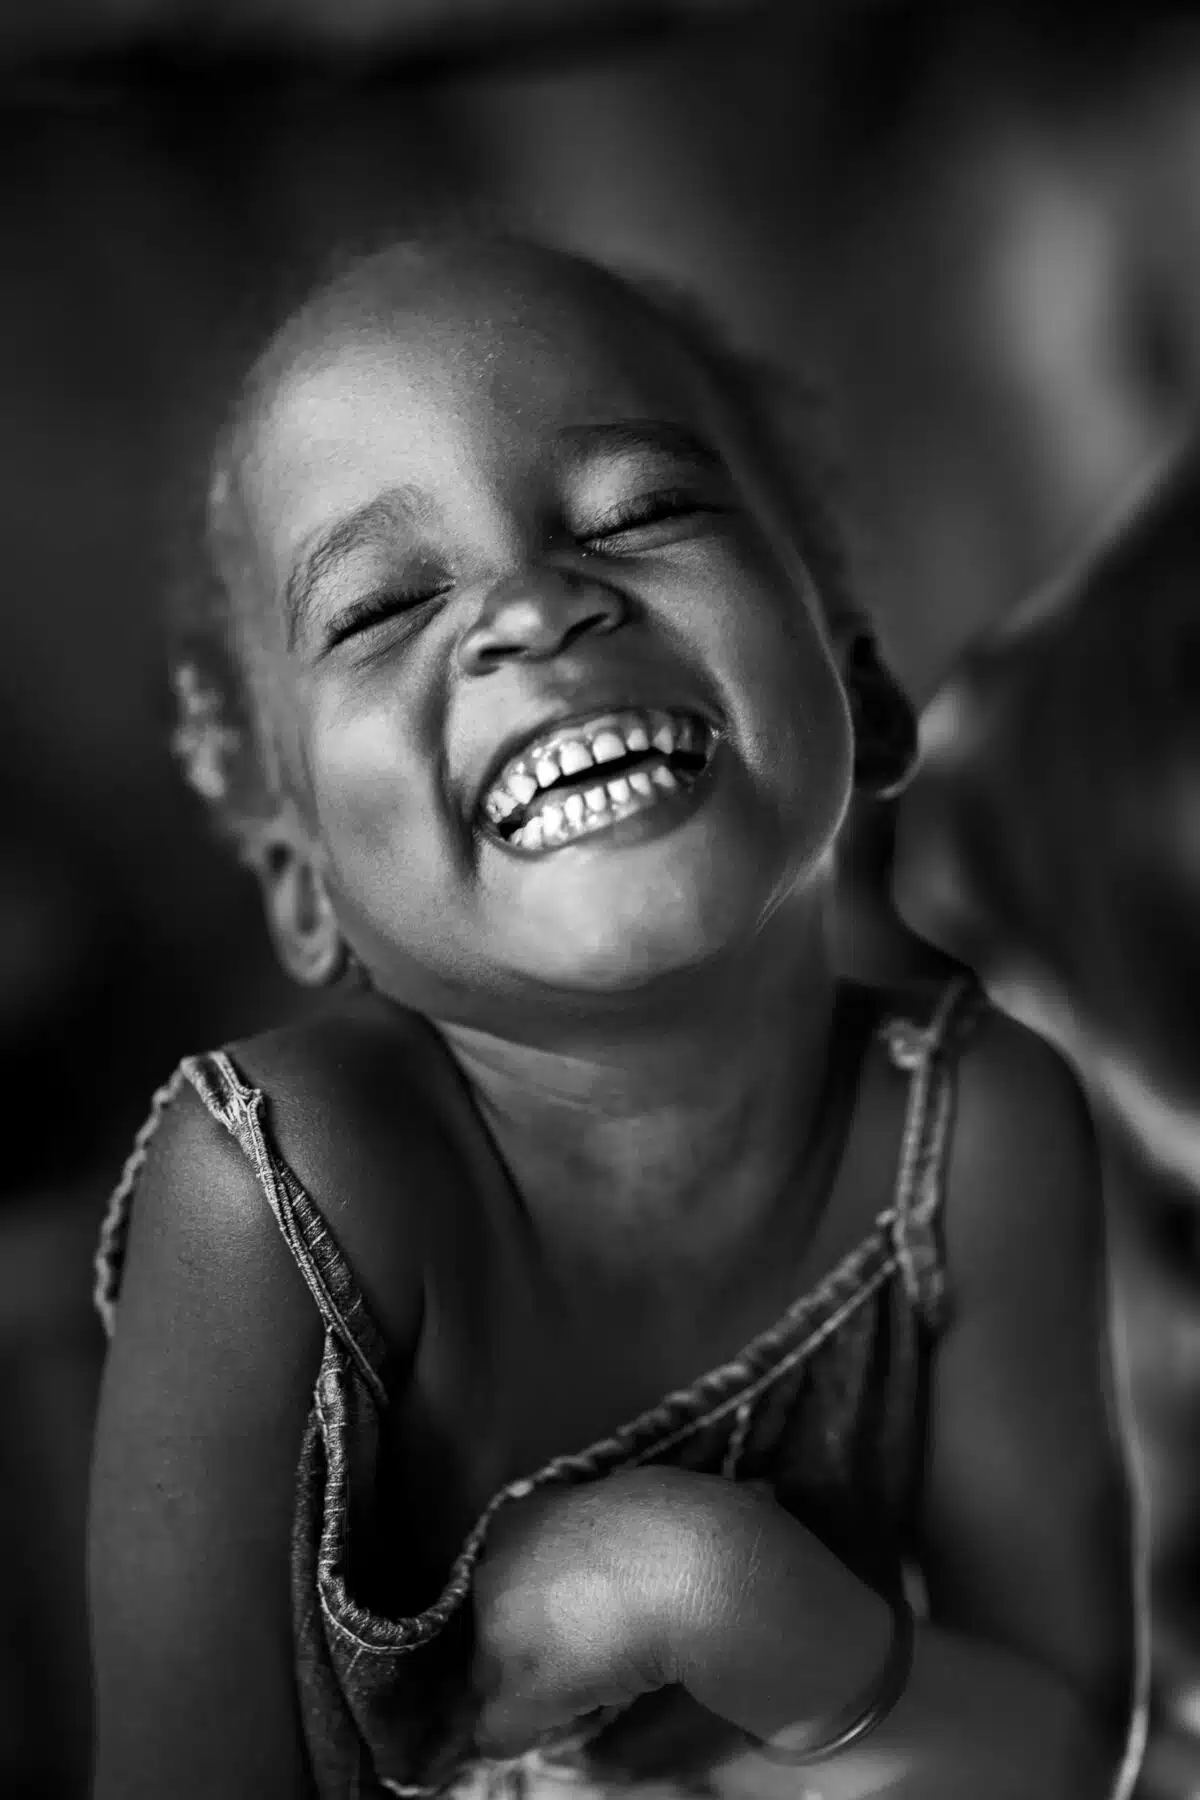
[(458, 376)]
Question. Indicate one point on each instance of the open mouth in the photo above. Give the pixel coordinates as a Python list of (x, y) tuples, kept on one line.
[(588, 775)]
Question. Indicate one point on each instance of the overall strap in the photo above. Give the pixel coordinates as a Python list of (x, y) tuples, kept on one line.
[(327, 1274), (109, 1259), (929, 1056)]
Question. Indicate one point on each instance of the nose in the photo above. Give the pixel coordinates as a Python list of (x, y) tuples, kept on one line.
[(535, 616)]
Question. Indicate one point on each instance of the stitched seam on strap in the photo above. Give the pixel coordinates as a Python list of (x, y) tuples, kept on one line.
[(401, 1635), (921, 1050), (246, 1126), (776, 1373), (114, 1227)]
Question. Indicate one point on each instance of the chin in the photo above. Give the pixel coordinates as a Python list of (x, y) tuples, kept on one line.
[(626, 968), (618, 945)]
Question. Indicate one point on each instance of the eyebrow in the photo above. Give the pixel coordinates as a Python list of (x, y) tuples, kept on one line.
[(632, 435), (374, 524), (367, 527)]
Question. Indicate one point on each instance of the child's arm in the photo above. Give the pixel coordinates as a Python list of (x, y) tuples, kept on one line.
[(1027, 1516), (1021, 1685), (205, 1397), (1024, 1682)]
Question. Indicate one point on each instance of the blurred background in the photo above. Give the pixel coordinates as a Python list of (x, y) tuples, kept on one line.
[(979, 226)]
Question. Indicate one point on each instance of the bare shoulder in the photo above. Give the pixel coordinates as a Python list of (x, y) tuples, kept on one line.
[(1023, 1185), (206, 1393), (359, 1052), (207, 1396), (1022, 1392), (1024, 1188), (204, 1262), (362, 1105)]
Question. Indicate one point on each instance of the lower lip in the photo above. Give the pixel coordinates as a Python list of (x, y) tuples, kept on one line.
[(645, 818)]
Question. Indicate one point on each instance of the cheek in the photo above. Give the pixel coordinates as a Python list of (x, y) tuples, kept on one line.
[(782, 676), (764, 611), (373, 791)]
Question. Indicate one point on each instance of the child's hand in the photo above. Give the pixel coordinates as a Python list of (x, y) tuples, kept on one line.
[(582, 1597), (591, 1596)]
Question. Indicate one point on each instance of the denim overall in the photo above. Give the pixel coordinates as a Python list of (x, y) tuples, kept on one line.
[(826, 1407)]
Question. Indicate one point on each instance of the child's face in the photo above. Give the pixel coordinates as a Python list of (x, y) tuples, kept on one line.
[(506, 537)]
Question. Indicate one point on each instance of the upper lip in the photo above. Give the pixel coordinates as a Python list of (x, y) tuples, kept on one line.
[(561, 719)]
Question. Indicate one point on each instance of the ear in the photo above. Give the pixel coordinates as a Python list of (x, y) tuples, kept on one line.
[(300, 915), (886, 739)]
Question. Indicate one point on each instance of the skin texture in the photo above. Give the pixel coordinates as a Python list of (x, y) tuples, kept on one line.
[(512, 486), (683, 1578), (590, 999)]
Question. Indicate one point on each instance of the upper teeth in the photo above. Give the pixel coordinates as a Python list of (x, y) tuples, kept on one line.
[(607, 746), (573, 757), (605, 741), (521, 787)]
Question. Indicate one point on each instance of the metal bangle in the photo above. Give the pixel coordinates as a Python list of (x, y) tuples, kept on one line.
[(800, 1745)]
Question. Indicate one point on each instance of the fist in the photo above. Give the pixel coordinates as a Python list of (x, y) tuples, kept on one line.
[(579, 1601)]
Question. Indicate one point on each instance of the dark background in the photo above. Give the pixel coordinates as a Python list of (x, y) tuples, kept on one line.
[(979, 228)]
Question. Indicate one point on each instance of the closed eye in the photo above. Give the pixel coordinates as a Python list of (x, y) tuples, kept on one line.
[(376, 609), (646, 523)]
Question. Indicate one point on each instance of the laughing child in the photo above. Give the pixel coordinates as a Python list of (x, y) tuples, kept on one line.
[(602, 1348)]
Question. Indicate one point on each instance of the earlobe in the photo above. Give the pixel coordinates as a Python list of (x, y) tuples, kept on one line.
[(886, 738), (300, 915)]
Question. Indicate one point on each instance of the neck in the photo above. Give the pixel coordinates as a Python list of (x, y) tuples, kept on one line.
[(668, 1140)]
